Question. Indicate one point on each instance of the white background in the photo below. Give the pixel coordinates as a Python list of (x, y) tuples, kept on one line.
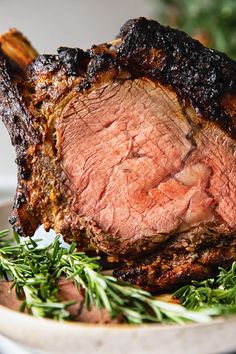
[(52, 23)]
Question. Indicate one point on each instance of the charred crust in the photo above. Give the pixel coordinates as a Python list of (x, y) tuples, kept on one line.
[(20, 200), (163, 271), (100, 65), (197, 73), (75, 60), (84, 85), (12, 219), (24, 172), (23, 134), (14, 114), (44, 64), (127, 27)]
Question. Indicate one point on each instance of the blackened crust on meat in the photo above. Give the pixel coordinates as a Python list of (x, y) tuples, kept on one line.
[(75, 59), (13, 113), (23, 135), (45, 64), (199, 74), (174, 265), (129, 149)]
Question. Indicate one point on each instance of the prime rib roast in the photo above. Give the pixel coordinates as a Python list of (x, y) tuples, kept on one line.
[(128, 149)]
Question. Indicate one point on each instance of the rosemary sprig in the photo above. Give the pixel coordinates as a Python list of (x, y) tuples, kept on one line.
[(219, 292), (136, 305), (36, 271), (30, 272)]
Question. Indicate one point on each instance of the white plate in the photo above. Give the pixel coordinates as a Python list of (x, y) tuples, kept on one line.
[(67, 338)]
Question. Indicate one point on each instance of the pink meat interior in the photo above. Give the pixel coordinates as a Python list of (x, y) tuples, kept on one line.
[(133, 167)]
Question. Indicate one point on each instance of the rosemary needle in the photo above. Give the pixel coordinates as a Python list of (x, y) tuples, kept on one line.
[(219, 292), (36, 271)]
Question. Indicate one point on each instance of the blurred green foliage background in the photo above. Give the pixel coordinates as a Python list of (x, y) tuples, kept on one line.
[(213, 22)]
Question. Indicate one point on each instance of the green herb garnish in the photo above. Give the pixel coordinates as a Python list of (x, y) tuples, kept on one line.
[(217, 293), (36, 271)]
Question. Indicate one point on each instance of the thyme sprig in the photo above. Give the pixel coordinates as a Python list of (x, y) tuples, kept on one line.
[(36, 272)]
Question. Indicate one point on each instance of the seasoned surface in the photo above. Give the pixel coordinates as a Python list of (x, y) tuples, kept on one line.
[(128, 149)]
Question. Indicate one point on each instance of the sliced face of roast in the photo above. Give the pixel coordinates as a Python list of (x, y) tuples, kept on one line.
[(126, 149)]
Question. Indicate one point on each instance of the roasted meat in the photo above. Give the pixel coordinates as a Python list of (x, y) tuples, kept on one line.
[(129, 149)]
